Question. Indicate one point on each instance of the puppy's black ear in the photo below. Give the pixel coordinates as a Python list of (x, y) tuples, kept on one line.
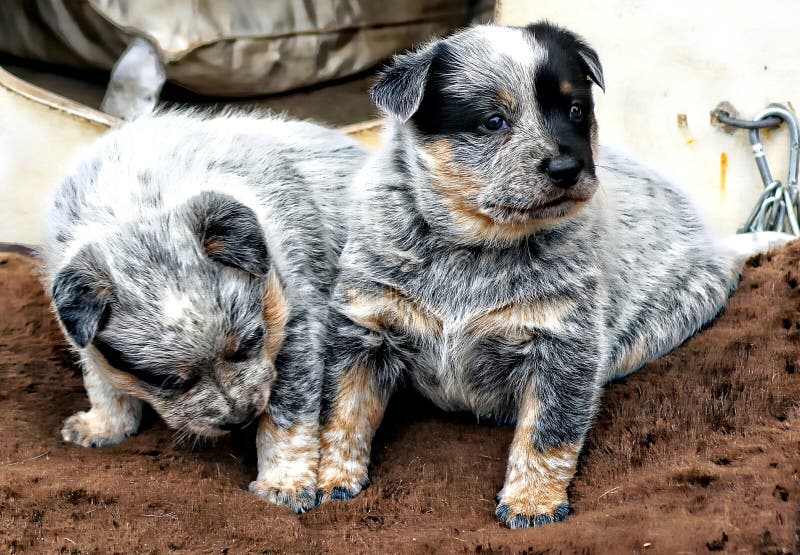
[(400, 88), (586, 56), (82, 294), (591, 63), (229, 232)]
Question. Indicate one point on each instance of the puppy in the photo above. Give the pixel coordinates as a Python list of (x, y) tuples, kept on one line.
[(189, 262), (484, 266)]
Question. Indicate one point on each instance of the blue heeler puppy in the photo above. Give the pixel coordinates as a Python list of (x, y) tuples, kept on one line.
[(503, 263), (190, 261)]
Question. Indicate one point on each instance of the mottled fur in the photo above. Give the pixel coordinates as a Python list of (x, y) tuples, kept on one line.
[(495, 284), (190, 260)]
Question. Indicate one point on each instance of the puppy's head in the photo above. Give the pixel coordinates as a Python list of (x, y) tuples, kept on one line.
[(502, 121), (182, 311)]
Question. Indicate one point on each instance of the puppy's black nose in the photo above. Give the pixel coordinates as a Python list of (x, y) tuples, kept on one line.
[(563, 170), (233, 425)]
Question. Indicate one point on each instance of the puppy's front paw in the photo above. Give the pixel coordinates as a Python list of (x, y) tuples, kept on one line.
[(96, 429), (299, 498), (340, 492), (526, 511)]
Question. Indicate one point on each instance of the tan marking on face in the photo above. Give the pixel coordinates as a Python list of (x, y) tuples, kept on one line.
[(518, 322), (566, 88), (505, 97), (287, 457), (347, 436), (121, 380), (460, 190), (391, 308), (213, 245), (276, 314), (593, 133), (536, 482)]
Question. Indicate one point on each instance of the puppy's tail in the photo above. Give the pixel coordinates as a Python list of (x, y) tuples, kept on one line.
[(745, 245)]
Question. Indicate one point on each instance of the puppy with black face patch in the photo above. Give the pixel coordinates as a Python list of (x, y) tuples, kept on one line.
[(190, 261), (503, 263)]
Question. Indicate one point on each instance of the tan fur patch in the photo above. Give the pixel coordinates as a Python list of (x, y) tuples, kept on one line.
[(536, 482), (517, 321), (460, 188), (347, 437), (593, 132), (276, 314), (633, 358), (505, 97), (213, 246), (391, 308), (287, 457), (566, 88)]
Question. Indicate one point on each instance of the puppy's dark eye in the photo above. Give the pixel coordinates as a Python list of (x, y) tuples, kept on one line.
[(576, 113), (248, 346), (495, 123)]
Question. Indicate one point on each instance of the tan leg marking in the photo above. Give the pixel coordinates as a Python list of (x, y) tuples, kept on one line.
[(535, 489), (391, 308), (347, 437), (276, 314), (287, 464), (517, 322)]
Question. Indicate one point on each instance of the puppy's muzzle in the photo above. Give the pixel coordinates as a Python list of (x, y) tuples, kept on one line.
[(240, 423), (563, 170)]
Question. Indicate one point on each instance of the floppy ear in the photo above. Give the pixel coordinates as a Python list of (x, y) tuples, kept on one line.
[(230, 232), (586, 55), (591, 63), (82, 295), (399, 89)]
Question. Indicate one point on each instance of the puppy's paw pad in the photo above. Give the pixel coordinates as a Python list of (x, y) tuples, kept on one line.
[(88, 430), (298, 500), (516, 521)]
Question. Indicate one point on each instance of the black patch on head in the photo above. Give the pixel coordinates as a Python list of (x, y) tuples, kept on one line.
[(158, 378), (82, 296), (440, 113), (230, 232), (563, 81), (557, 38)]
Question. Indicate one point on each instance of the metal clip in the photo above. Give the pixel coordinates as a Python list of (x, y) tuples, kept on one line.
[(777, 208)]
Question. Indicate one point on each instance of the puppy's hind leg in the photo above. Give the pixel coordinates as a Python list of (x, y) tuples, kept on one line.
[(113, 417)]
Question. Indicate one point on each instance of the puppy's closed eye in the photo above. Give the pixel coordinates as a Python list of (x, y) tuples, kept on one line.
[(164, 380), (249, 345)]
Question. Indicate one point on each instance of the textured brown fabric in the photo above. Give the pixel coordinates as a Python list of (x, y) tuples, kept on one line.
[(232, 47), (698, 452)]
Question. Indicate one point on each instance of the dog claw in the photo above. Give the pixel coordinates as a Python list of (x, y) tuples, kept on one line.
[(519, 521)]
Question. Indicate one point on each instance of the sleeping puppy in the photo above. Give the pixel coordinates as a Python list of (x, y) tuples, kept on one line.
[(503, 263), (189, 262)]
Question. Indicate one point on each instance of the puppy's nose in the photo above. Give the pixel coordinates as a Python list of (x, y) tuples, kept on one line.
[(563, 170), (232, 425)]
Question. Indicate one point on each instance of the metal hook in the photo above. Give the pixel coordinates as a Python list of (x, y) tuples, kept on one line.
[(779, 200)]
